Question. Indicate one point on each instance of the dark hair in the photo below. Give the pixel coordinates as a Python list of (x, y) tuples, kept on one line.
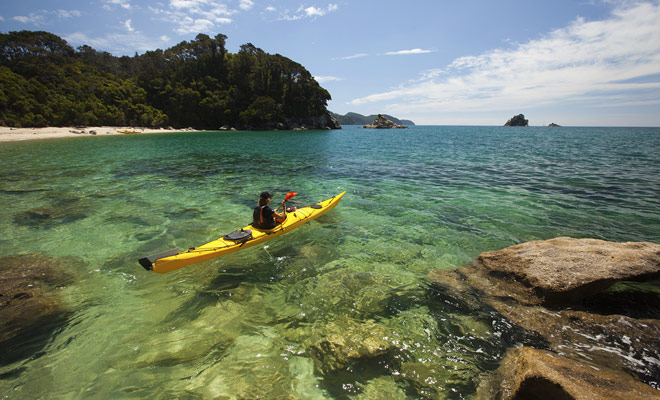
[(264, 197)]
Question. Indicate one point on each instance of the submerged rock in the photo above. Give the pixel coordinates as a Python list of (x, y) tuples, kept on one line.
[(527, 373), (62, 212), (256, 367), (29, 309), (384, 387), (381, 122), (353, 294), (346, 341)]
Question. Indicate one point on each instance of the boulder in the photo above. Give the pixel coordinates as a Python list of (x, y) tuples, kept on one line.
[(566, 270), (527, 373), (560, 290), (517, 120), (381, 122)]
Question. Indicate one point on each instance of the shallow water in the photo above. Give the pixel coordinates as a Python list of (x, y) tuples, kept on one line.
[(249, 324)]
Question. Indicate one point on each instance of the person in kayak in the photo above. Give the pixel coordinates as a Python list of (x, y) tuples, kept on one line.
[(265, 217)]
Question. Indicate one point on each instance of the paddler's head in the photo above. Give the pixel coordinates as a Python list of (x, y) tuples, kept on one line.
[(264, 198)]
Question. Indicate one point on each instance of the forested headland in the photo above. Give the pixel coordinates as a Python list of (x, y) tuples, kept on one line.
[(197, 83)]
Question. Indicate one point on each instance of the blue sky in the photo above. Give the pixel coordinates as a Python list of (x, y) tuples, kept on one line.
[(469, 62)]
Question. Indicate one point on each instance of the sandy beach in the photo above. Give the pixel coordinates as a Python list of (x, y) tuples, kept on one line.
[(8, 134)]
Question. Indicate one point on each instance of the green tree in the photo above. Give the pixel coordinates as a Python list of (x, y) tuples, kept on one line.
[(196, 83)]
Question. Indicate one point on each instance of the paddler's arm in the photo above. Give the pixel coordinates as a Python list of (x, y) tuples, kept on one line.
[(281, 217)]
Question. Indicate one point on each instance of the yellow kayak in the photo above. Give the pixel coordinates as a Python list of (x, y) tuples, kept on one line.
[(247, 236)]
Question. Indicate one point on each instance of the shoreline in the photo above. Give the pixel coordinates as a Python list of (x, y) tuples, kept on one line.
[(8, 134)]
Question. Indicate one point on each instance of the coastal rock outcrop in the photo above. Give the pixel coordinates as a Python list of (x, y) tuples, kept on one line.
[(562, 290), (518, 120), (324, 121), (566, 270), (30, 310), (553, 125), (381, 122), (527, 373)]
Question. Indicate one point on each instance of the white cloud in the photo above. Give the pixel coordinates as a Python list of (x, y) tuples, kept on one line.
[(309, 12), (197, 16), (189, 25), (127, 25), (185, 3), (359, 55), (117, 44), (271, 9), (68, 13), (246, 4), (43, 17), (585, 62), (323, 79), (319, 12), (33, 19), (165, 38), (411, 51), (122, 3)]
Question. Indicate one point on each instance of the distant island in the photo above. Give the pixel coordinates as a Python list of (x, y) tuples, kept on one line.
[(553, 125), (47, 83), (352, 118), (381, 122), (518, 120)]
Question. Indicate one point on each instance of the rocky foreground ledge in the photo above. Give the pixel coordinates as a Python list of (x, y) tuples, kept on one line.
[(597, 343)]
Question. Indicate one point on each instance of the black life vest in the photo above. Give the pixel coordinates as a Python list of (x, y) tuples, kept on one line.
[(261, 221)]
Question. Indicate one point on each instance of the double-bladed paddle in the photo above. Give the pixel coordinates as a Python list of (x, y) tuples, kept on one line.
[(288, 197)]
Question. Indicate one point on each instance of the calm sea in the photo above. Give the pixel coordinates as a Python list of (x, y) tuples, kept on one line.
[(249, 324)]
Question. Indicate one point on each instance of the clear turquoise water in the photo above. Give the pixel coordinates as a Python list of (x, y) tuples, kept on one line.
[(245, 325)]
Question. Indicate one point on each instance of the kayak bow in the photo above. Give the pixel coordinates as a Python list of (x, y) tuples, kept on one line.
[(243, 238)]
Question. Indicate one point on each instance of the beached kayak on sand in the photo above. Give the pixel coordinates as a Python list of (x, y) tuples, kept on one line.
[(243, 238)]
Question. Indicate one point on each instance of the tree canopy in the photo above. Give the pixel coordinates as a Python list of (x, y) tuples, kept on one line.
[(45, 82)]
